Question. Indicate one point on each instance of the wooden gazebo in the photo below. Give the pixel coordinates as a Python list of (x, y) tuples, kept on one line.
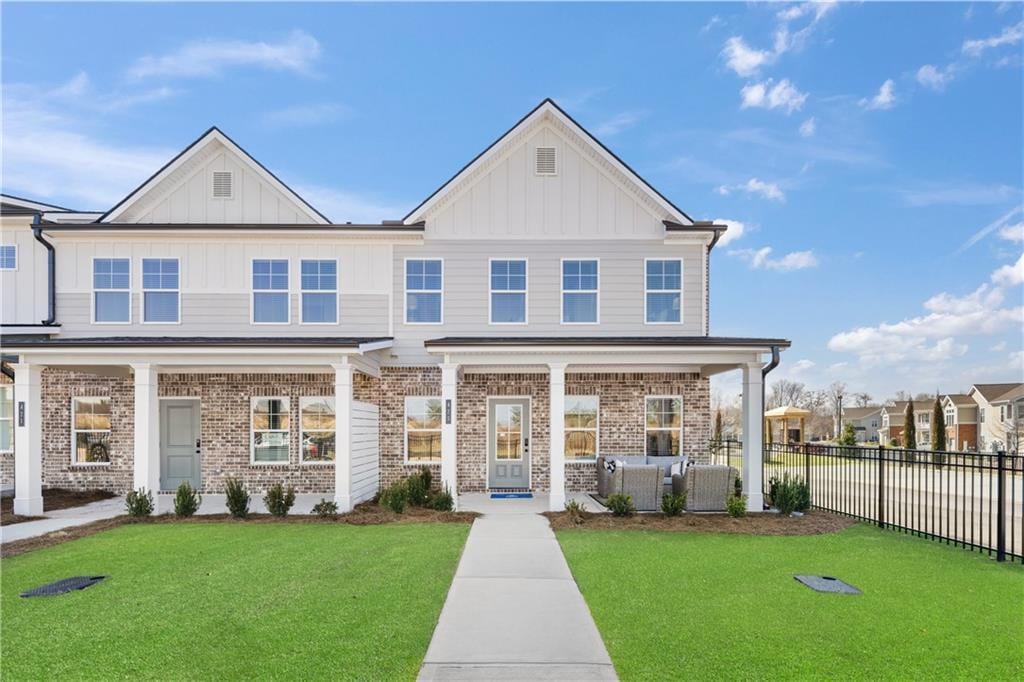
[(785, 415)]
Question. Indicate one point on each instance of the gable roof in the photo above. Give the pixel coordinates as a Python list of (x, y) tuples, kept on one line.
[(11, 203), (548, 107), (860, 412), (959, 399), (992, 391), (211, 135), (1013, 394), (900, 406)]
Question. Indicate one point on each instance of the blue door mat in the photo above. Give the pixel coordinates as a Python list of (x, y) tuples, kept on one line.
[(826, 583), (511, 496), (64, 586)]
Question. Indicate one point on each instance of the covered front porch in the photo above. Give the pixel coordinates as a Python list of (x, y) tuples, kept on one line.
[(531, 429)]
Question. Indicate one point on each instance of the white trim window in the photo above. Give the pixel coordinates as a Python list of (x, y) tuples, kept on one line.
[(316, 416), (950, 416), (90, 430), (924, 418), (111, 283), (663, 426), (161, 291), (580, 291), (582, 416), (663, 294), (270, 297), (424, 290), (319, 291), (8, 257), (271, 418), (508, 299), (7, 418), (422, 429)]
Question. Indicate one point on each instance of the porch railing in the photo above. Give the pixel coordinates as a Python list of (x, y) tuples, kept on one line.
[(974, 500)]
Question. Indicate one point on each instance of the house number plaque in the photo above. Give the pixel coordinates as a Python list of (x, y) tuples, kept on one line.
[(21, 413), (448, 411)]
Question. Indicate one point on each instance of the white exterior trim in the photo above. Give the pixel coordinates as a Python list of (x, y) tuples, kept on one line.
[(252, 292), (405, 429), (336, 291), (597, 429), (646, 429), (302, 431), (143, 290), (130, 290), (74, 461)]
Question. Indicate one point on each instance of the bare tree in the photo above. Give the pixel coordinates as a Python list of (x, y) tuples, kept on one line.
[(785, 392), (863, 399), (901, 396)]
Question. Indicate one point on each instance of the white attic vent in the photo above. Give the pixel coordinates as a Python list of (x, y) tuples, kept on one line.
[(223, 184), (545, 161)]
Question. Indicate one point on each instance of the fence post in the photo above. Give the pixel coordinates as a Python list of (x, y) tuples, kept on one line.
[(807, 466), (1001, 510), (881, 486)]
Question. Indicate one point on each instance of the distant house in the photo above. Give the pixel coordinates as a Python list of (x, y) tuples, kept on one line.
[(961, 416), (892, 422), (865, 421), (999, 415)]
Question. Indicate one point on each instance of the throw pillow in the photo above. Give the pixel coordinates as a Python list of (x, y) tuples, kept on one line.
[(609, 466), (677, 468)]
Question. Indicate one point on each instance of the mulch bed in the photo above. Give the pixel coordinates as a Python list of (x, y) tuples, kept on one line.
[(811, 523), (366, 514), (53, 499)]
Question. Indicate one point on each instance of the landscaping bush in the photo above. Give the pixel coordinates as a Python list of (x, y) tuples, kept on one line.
[(738, 486), (848, 437), (326, 509), (575, 511), (279, 499), (236, 498), (621, 505), (672, 505), (427, 476), (186, 500), (418, 489), (138, 503), (736, 506), (395, 497), (443, 501), (789, 494)]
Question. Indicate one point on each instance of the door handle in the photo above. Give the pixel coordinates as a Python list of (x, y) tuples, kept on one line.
[(197, 445), (526, 445)]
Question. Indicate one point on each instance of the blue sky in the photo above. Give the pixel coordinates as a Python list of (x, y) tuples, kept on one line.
[(867, 155)]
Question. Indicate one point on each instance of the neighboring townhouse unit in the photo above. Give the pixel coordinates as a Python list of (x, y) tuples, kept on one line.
[(893, 417), (543, 306), (999, 421), (865, 421), (961, 416)]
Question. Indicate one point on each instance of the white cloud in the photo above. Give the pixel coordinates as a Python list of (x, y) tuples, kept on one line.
[(754, 186), (808, 127), (884, 99), (771, 95), (801, 366), (743, 59), (341, 206), (1009, 36), (712, 22), (305, 115), (1010, 275), (996, 224), (747, 61), (735, 230), (981, 299), (999, 347), (935, 78), (761, 259), (1012, 233), (212, 57), (1017, 359), (619, 122)]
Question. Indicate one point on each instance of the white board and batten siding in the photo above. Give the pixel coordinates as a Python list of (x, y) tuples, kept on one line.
[(23, 290), (365, 451)]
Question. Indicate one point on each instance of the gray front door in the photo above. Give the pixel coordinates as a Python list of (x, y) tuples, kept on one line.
[(179, 443), (508, 442)]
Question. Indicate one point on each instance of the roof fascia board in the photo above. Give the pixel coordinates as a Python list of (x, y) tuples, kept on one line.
[(34, 205)]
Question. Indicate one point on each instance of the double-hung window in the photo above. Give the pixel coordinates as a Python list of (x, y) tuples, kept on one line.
[(663, 296), (508, 292), (664, 426), (423, 291), (111, 283), (422, 429), (160, 290), (579, 291), (6, 418), (270, 434), (581, 427), (90, 430), (950, 416), (8, 257), (270, 303), (318, 429), (319, 292)]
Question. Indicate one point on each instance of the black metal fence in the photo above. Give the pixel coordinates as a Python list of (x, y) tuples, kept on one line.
[(974, 500)]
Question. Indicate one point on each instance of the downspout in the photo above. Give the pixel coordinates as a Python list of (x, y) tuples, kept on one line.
[(7, 371), (764, 382), (51, 272)]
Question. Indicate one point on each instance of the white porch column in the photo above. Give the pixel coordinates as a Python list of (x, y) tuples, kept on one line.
[(147, 429), (343, 375), (753, 436), (557, 436), (28, 440), (449, 426)]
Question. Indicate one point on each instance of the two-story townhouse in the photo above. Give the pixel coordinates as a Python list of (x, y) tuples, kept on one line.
[(865, 420), (893, 414), (543, 306), (960, 413), (998, 425)]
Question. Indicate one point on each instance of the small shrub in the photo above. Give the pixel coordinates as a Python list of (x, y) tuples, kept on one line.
[(326, 509), (427, 476), (848, 437), (418, 490), (621, 505), (186, 500), (138, 503), (395, 497), (575, 511), (236, 498), (672, 505), (789, 494), (738, 487), (736, 506), (894, 443), (279, 499), (443, 501)]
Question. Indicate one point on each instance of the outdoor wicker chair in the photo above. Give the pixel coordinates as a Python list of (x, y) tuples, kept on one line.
[(643, 482), (707, 486)]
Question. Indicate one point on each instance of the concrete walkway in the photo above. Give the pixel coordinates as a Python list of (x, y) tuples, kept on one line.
[(514, 611), (60, 519)]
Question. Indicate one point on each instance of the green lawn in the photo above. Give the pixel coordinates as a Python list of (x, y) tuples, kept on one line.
[(232, 601), (700, 606)]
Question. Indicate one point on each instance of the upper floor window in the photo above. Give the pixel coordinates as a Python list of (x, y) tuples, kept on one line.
[(508, 292), (423, 291), (664, 291), (270, 303), (924, 418), (319, 292), (981, 415), (160, 290), (950, 416), (111, 282), (8, 257), (579, 291)]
